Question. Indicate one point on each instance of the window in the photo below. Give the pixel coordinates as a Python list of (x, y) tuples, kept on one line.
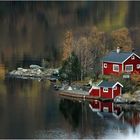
[(105, 89), (105, 109), (105, 65), (129, 68), (138, 66), (115, 88), (133, 57), (115, 67)]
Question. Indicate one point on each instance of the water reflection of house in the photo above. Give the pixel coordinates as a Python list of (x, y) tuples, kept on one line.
[(105, 109)]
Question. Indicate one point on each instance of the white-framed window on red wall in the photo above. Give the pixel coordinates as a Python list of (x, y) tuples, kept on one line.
[(105, 65), (138, 66), (115, 88), (105, 89), (133, 57), (116, 67), (129, 68)]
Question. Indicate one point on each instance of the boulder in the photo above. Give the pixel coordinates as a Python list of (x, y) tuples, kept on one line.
[(120, 99)]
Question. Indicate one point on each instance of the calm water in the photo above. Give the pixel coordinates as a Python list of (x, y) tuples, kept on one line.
[(32, 109)]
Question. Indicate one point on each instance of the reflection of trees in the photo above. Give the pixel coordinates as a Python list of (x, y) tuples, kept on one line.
[(71, 111), (132, 117)]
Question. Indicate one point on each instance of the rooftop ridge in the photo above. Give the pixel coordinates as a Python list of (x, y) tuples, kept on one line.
[(123, 51)]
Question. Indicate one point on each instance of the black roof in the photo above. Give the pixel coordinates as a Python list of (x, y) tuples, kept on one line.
[(117, 57), (107, 84)]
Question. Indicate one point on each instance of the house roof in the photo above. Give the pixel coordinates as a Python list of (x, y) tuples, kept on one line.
[(109, 84), (117, 57)]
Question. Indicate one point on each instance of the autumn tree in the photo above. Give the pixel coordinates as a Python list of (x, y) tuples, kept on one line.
[(67, 45), (121, 38), (97, 45)]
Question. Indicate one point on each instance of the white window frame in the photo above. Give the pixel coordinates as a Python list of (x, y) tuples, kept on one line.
[(114, 65), (133, 57), (128, 66), (105, 89), (115, 88), (105, 65), (105, 109), (138, 66)]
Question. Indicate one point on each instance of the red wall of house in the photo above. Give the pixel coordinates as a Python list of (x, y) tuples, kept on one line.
[(94, 92), (109, 105), (134, 62), (117, 92), (95, 104), (106, 94), (109, 69)]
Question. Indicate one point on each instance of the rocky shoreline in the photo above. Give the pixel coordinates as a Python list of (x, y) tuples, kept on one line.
[(37, 72), (128, 98), (34, 72)]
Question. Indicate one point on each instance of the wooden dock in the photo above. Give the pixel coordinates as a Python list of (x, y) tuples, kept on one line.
[(81, 96)]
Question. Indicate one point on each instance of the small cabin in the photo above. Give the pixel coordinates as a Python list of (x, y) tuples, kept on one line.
[(106, 89), (117, 62)]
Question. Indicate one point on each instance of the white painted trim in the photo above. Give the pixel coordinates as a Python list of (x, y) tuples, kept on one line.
[(115, 88), (105, 65), (114, 66), (112, 106), (133, 57), (138, 66), (90, 90), (112, 62), (117, 116), (105, 109), (102, 68), (130, 56), (99, 92), (124, 60), (129, 65), (93, 109), (112, 93), (99, 82), (116, 84)]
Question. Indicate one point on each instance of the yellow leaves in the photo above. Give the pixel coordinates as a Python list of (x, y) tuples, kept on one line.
[(121, 38), (68, 45), (2, 71), (135, 77)]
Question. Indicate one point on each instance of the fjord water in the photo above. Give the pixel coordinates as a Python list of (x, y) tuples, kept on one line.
[(32, 109)]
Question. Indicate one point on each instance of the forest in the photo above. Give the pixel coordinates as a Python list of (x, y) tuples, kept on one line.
[(50, 31)]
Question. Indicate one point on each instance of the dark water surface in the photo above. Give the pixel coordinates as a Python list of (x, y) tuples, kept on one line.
[(32, 109)]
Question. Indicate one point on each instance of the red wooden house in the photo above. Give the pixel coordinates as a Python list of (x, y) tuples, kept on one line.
[(103, 108), (106, 89), (117, 62)]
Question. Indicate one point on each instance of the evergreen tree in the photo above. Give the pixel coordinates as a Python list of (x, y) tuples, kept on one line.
[(70, 69)]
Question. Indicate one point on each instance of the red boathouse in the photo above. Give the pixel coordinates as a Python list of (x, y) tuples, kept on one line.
[(117, 62), (106, 89)]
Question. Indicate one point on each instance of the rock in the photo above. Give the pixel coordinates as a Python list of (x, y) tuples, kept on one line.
[(119, 99), (35, 67), (70, 88)]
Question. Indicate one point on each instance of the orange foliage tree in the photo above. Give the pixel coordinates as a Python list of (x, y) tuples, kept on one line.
[(121, 38), (67, 45)]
